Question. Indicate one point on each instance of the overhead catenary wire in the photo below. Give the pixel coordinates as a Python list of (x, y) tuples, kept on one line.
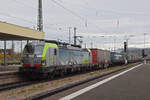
[(33, 23), (21, 19), (68, 10), (24, 4), (47, 25), (110, 11), (77, 15)]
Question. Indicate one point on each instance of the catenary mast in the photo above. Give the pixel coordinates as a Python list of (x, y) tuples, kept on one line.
[(40, 16)]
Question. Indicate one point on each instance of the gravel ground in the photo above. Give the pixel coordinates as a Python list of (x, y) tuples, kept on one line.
[(9, 77), (24, 92), (10, 80), (9, 68)]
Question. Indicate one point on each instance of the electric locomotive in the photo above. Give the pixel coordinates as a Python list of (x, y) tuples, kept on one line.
[(44, 59)]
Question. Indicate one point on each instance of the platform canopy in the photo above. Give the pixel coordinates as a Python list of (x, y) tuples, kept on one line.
[(15, 32)]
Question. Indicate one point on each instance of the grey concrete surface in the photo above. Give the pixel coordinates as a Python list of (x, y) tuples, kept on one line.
[(134, 85)]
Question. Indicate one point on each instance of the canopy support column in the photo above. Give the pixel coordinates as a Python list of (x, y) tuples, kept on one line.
[(5, 55)]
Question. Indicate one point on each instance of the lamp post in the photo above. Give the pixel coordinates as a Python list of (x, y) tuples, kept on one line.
[(75, 37), (69, 35), (144, 48), (144, 39), (91, 44), (103, 36), (114, 43)]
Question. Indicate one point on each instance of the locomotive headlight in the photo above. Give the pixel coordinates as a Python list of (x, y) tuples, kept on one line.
[(43, 62)]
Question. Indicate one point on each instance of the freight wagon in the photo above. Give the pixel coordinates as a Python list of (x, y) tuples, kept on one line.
[(100, 58), (117, 58), (133, 58)]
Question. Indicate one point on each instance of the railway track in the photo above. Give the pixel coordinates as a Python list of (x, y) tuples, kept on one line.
[(9, 75), (10, 80), (22, 83), (18, 83), (9, 86), (16, 63)]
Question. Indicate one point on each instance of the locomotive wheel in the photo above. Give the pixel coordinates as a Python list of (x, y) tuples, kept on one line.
[(103, 66), (84, 69), (79, 70), (62, 73), (51, 75), (68, 71)]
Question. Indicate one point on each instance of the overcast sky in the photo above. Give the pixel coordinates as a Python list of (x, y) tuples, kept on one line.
[(116, 20)]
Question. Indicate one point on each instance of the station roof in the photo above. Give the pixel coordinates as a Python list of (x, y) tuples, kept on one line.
[(15, 32)]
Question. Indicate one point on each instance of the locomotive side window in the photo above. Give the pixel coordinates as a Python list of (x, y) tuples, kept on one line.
[(55, 52)]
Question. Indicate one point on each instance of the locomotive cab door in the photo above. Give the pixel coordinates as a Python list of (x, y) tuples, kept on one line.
[(51, 56)]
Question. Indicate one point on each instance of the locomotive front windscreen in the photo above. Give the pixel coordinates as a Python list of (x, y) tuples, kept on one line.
[(33, 49)]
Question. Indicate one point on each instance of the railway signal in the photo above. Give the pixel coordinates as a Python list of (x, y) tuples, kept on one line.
[(125, 47), (143, 53)]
